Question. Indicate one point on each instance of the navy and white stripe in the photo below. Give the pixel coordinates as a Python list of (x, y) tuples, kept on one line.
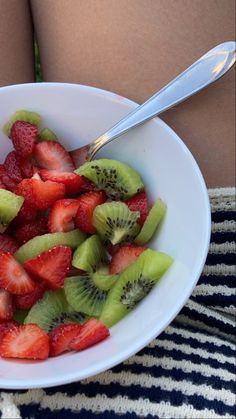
[(187, 372)]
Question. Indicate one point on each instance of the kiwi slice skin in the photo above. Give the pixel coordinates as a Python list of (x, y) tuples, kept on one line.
[(154, 218), (134, 283), (10, 205), (115, 222), (47, 135), (83, 295), (117, 179), (21, 115), (89, 254), (52, 310), (45, 242), (20, 315)]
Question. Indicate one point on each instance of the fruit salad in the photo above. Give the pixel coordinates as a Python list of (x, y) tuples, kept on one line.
[(74, 256)]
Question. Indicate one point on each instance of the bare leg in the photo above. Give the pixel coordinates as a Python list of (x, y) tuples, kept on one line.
[(134, 47), (16, 40)]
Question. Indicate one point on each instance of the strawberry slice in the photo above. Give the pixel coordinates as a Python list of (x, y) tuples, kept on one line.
[(12, 166), (8, 244), (27, 231), (6, 305), (124, 256), (71, 181), (13, 276), (62, 214), (24, 302), (92, 332), (27, 342), (87, 185), (61, 337), (24, 135), (139, 203), (2, 186), (26, 214), (9, 183), (51, 155), (87, 204), (5, 326), (40, 194), (26, 168), (51, 266)]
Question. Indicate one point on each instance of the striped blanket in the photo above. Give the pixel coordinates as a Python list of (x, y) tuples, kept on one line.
[(187, 372)]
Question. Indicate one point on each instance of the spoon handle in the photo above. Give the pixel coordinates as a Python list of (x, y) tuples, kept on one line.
[(209, 68)]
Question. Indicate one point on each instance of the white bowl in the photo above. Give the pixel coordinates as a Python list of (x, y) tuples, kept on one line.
[(78, 114)]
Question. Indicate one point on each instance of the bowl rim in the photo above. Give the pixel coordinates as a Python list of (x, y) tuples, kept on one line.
[(155, 332)]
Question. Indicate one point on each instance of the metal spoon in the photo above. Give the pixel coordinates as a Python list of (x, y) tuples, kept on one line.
[(209, 68)]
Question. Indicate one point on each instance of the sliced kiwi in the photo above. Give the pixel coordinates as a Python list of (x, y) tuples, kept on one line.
[(89, 254), (83, 294), (21, 115), (103, 280), (117, 179), (47, 135), (115, 222), (53, 310), (151, 223), (133, 285), (10, 205), (45, 242)]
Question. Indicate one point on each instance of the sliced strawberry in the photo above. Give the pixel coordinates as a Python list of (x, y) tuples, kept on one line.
[(62, 214), (71, 181), (26, 214), (28, 342), (40, 194), (87, 204), (2, 170), (92, 332), (124, 256), (24, 302), (6, 305), (26, 168), (52, 155), (12, 166), (27, 231), (5, 326), (51, 266), (8, 244), (2, 186), (13, 276), (87, 185), (139, 203), (24, 135), (61, 337), (9, 183)]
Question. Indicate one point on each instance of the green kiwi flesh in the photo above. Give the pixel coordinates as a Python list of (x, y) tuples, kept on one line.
[(53, 310), (151, 223), (89, 254), (117, 179), (104, 281), (21, 115), (83, 295), (10, 205), (133, 285), (115, 222), (47, 135), (45, 242)]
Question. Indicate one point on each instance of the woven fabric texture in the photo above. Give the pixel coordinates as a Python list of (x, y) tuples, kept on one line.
[(187, 372)]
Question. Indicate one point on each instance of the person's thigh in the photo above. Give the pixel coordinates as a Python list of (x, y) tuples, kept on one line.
[(134, 47), (16, 40)]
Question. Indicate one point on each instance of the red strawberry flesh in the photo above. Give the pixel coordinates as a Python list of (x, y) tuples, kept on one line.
[(25, 302), (8, 244), (53, 156), (6, 305), (61, 337), (87, 204), (139, 203), (12, 166), (124, 256), (62, 214), (13, 277), (71, 181), (51, 266), (92, 332), (27, 231), (26, 342)]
